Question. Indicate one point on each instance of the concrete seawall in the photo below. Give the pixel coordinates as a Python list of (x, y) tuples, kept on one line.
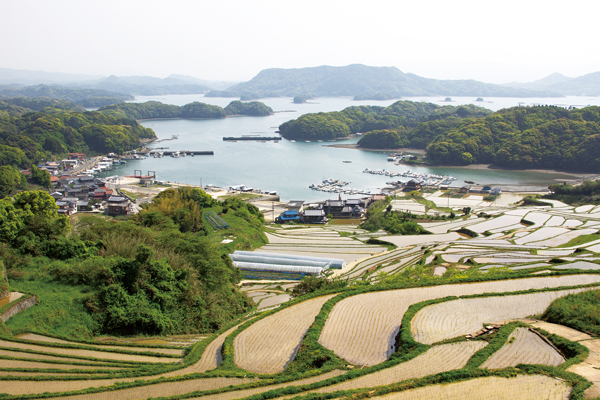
[(17, 308)]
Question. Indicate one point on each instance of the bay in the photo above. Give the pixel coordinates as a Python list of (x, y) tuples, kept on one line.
[(290, 167)]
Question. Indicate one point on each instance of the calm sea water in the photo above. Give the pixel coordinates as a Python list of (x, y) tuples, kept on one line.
[(289, 168)]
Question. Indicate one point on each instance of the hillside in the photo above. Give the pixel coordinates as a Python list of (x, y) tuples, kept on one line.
[(41, 129), (524, 137), (363, 82), (157, 273)]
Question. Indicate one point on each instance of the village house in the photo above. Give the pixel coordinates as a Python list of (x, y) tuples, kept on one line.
[(118, 205)]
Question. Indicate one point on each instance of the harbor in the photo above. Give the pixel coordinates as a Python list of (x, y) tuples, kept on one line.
[(291, 167)]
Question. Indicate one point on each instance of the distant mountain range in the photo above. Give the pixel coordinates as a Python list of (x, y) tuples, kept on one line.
[(360, 81), (365, 82), (585, 85), (129, 85)]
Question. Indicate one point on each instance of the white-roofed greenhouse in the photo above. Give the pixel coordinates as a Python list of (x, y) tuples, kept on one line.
[(283, 266)]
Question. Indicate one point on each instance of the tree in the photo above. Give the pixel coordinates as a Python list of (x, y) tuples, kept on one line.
[(41, 177), (10, 180)]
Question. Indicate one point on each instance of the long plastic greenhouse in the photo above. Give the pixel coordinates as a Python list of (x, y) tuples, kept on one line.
[(289, 269), (336, 263), (259, 259)]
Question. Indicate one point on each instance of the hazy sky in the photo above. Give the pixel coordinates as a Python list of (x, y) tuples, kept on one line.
[(487, 40)]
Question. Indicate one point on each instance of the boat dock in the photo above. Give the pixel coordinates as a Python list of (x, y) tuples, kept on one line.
[(259, 138), (180, 152)]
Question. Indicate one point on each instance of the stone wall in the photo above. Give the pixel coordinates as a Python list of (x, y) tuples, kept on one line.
[(3, 281), (17, 308)]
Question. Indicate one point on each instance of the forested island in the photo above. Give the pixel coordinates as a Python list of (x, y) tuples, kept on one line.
[(84, 97), (546, 137), (155, 109), (400, 116)]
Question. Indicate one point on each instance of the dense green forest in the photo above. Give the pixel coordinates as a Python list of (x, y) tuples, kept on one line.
[(523, 137), (34, 130), (161, 271), (155, 109), (403, 116)]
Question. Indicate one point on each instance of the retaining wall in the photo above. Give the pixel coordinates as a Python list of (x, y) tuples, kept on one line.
[(17, 308)]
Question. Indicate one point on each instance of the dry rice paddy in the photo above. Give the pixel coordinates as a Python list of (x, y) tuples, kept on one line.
[(523, 387), (524, 347), (88, 353), (435, 360), (280, 333), (465, 316)]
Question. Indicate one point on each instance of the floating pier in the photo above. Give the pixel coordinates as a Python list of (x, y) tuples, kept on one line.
[(263, 138), (182, 152)]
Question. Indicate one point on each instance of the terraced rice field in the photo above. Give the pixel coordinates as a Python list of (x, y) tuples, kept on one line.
[(526, 347), (87, 353), (240, 394), (377, 315), (454, 318), (435, 360), (41, 338), (362, 328), (157, 390), (280, 333), (523, 387)]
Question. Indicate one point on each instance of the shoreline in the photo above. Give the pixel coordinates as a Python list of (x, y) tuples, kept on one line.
[(575, 175), (355, 147)]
